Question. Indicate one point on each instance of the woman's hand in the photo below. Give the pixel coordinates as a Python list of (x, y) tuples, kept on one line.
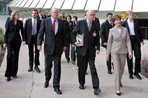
[(130, 56), (4, 45)]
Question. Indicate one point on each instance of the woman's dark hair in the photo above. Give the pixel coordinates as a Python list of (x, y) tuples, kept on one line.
[(115, 17)]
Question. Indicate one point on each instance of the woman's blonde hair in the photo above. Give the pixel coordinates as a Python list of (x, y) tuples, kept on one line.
[(12, 17), (129, 12)]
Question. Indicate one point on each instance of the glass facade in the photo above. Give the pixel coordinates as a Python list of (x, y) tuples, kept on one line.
[(4, 10)]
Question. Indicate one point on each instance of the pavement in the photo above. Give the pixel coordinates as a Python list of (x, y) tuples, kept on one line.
[(31, 84)]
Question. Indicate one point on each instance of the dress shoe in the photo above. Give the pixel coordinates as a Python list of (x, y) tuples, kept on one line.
[(109, 72), (81, 86), (73, 62), (14, 76), (97, 91), (30, 69), (37, 69), (119, 94), (8, 78), (138, 76), (131, 76), (46, 84), (57, 90)]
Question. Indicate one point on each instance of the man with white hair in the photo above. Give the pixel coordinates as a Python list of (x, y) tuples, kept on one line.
[(55, 44), (87, 52)]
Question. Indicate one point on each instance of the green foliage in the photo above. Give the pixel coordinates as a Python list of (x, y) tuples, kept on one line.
[(1, 36)]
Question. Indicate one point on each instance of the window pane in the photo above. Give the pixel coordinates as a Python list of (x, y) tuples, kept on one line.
[(140, 6), (34, 3), (28, 3), (48, 4), (58, 4), (95, 4), (68, 4), (41, 4), (79, 5), (23, 3), (123, 5), (107, 5), (20, 1)]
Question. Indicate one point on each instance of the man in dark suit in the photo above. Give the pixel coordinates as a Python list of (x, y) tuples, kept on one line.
[(87, 51), (136, 38), (104, 32), (55, 44), (32, 27), (43, 15), (40, 17)]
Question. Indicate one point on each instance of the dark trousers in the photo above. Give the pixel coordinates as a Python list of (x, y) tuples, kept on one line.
[(137, 54), (73, 54), (12, 59), (109, 63), (31, 47), (57, 69), (67, 51), (82, 63)]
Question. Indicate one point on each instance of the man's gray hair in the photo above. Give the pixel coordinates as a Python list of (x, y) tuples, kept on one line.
[(53, 9)]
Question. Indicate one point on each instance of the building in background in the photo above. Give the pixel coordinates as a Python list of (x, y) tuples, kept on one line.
[(4, 9)]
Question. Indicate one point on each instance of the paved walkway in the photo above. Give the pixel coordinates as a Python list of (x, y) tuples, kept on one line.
[(31, 84)]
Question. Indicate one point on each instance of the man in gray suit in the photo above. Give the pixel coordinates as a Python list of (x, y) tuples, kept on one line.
[(87, 52), (55, 44)]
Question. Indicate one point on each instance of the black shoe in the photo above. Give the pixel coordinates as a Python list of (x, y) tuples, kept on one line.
[(8, 78), (37, 69), (14, 76), (57, 90), (81, 86), (131, 76), (109, 72), (30, 69), (68, 61), (46, 84), (97, 91), (73, 62), (138, 76), (119, 94)]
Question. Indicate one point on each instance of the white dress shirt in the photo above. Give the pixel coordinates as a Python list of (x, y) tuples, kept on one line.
[(131, 27), (56, 25)]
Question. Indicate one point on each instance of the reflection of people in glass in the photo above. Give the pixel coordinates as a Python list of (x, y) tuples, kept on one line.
[(12, 41), (118, 46)]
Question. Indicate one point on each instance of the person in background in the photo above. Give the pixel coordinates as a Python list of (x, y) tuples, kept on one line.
[(118, 45), (12, 40), (104, 32), (43, 15), (49, 14), (40, 17), (31, 28), (86, 53), (136, 38), (69, 29), (54, 45)]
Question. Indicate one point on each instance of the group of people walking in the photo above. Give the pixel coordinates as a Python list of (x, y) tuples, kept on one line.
[(119, 39)]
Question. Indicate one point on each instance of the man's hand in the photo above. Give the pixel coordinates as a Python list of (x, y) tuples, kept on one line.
[(24, 43), (64, 48), (39, 48), (98, 51), (4, 45), (77, 44), (107, 58), (105, 44), (142, 42)]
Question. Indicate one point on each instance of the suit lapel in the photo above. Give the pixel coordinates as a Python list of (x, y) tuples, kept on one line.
[(86, 26), (30, 23), (127, 26), (59, 25), (50, 25)]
